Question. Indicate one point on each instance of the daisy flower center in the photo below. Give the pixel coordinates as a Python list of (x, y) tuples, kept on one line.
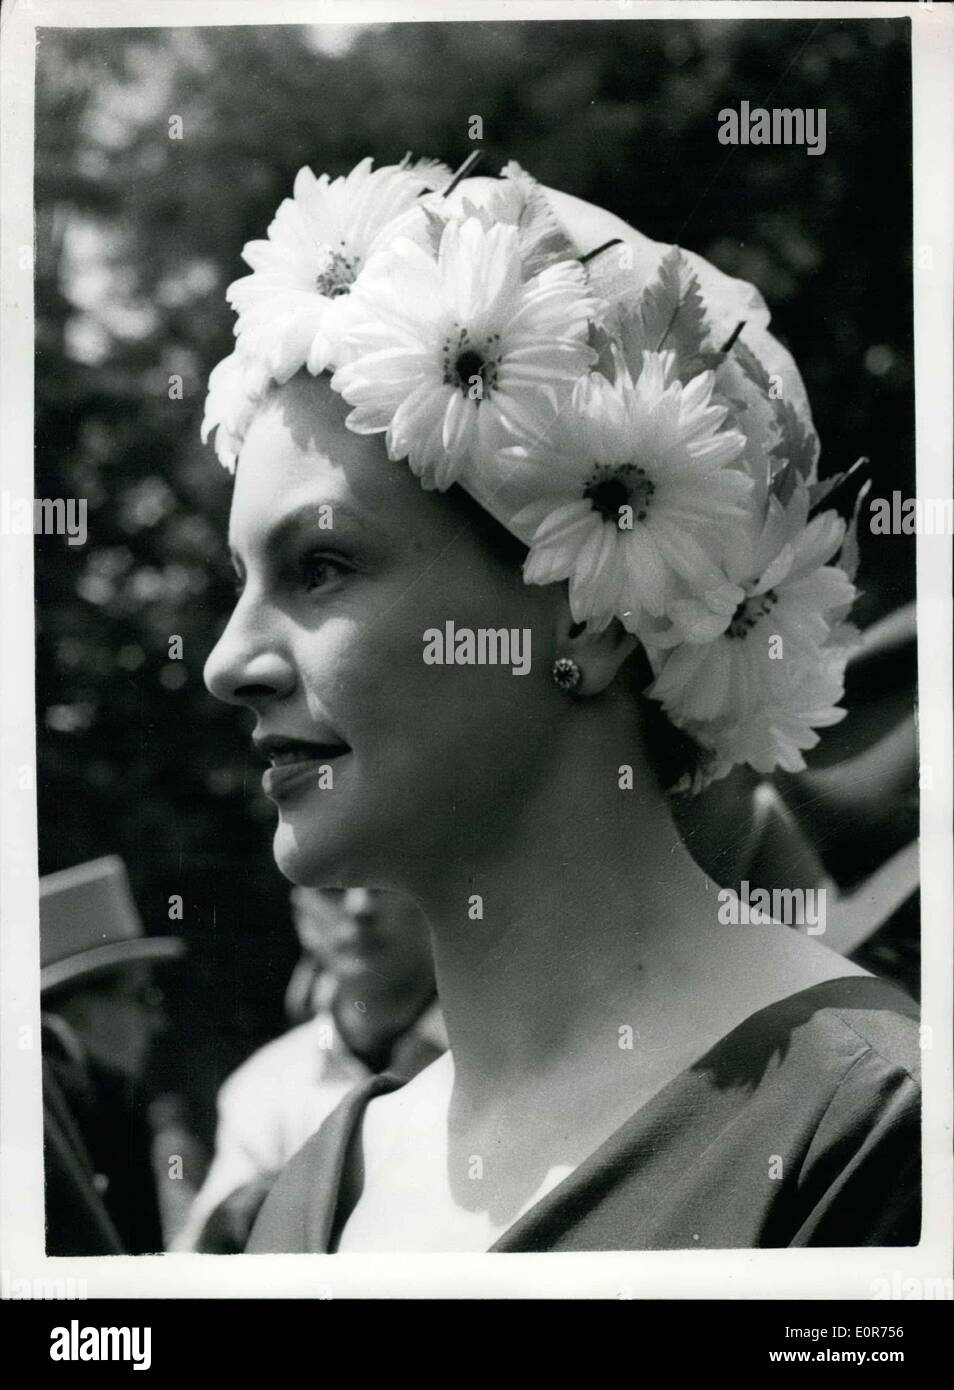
[(469, 368), (338, 271), (626, 485), (751, 611)]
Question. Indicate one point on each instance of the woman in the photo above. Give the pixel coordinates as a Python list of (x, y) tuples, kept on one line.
[(626, 1070)]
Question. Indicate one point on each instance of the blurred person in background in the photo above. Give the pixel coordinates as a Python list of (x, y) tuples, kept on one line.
[(306, 991), (102, 1009), (365, 985)]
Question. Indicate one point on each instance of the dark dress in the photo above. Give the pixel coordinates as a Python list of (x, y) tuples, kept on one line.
[(800, 1127)]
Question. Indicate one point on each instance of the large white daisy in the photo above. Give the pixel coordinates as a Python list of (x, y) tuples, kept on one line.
[(758, 692), (639, 499), (237, 385), (317, 244), (455, 355)]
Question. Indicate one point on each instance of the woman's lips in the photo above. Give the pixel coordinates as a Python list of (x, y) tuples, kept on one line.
[(295, 765)]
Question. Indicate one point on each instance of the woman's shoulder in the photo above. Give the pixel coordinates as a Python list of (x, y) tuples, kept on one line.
[(884, 1020), (859, 1177), (800, 1127), (832, 1075), (859, 1016), (811, 1040)]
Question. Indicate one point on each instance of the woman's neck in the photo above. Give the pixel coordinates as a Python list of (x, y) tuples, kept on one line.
[(592, 917), (597, 972)]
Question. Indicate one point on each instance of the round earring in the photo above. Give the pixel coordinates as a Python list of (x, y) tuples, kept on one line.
[(567, 676)]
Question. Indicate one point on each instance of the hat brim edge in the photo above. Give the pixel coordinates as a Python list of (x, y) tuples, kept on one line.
[(114, 953)]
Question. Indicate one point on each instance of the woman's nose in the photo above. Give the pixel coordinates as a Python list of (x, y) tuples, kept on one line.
[(247, 666)]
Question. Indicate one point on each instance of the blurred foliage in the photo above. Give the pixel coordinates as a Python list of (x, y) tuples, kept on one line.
[(138, 235)]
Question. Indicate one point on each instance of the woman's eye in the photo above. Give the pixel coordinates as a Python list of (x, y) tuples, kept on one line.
[(318, 571)]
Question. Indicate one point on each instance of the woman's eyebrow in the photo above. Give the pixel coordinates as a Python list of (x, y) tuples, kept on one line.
[(323, 517)]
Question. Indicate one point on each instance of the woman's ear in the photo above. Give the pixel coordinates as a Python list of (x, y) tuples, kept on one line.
[(599, 655)]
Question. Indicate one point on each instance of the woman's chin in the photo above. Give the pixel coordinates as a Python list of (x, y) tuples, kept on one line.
[(308, 859), (317, 854)]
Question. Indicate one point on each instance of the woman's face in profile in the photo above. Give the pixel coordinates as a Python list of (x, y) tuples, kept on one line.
[(380, 759)]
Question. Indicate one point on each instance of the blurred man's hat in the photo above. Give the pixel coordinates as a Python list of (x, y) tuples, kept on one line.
[(89, 923)]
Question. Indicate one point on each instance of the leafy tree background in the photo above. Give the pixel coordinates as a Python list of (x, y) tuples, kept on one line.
[(138, 234)]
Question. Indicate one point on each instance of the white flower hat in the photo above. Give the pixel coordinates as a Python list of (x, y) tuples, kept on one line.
[(317, 245), (729, 692), (453, 355), (616, 403), (656, 450)]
